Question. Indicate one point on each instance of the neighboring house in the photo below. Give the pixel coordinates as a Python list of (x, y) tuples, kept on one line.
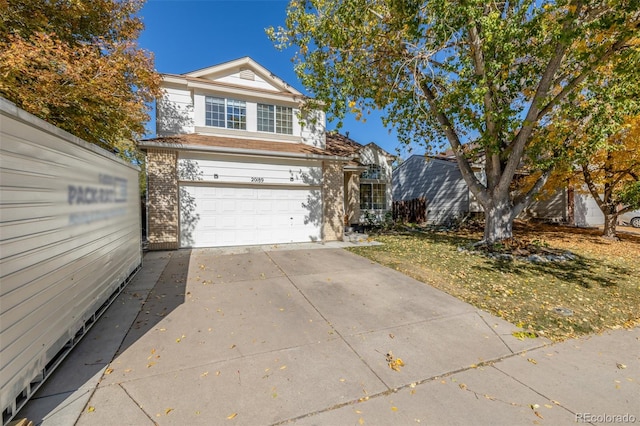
[(237, 162), (439, 180)]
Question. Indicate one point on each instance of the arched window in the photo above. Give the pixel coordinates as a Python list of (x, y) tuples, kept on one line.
[(374, 171)]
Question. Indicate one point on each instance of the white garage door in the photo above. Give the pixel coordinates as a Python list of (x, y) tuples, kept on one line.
[(230, 216)]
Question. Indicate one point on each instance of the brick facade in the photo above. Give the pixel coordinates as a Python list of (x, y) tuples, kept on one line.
[(352, 197), (332, 201), (162, 194)]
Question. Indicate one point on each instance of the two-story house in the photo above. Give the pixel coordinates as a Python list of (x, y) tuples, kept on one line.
[(236, 161)]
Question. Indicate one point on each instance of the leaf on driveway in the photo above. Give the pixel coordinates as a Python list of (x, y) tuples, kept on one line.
[(232, 416), (532, 361), (394, 363)]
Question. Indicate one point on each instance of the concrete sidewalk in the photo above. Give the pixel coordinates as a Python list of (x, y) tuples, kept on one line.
[(259, 336)]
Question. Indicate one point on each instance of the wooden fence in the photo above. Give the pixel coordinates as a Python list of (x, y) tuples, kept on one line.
[(410, 211)]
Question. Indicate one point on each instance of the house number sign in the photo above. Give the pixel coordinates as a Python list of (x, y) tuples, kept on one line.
[(257, 179)]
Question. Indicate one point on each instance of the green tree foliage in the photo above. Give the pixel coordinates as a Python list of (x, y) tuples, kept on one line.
[(76, 64), (484, 77)]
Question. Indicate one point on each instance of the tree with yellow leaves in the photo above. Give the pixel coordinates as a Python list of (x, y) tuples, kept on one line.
[(76, 64), (597, 136), (612, 174)]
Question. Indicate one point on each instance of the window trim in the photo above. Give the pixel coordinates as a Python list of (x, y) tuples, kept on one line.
[(377, 189), (228, 103), (270, 119)]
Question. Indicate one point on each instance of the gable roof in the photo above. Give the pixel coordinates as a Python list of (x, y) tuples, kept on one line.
[(239, 65)]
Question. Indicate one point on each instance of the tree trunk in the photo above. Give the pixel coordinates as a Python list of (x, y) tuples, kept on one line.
[(498, 221), (610, 221)]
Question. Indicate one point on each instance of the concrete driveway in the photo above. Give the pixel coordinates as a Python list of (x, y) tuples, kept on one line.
[(272, 335)]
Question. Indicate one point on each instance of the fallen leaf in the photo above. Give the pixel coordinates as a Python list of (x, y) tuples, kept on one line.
[(532, 361), (283, 367), (394, 408), (360, 421), (91, 409), (108, 371), (232, 416), (621, 366), (538, 414), (168, 410)]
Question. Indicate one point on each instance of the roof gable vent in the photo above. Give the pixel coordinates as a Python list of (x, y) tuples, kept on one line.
[(247, 74)]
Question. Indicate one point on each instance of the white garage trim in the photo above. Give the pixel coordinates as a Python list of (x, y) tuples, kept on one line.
[(232, 215)]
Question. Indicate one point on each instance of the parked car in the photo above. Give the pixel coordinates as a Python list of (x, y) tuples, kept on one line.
[(630, 218)]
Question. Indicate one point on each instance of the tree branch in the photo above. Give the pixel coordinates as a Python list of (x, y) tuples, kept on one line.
[(581, 77), (446, 126), (521, 202)]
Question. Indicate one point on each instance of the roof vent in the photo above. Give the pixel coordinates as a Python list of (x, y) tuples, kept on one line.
[(247, 74)]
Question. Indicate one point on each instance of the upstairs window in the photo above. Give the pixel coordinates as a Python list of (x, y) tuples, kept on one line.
[(266, 120), (273, 118), (214, 112), (236, 114), (229, 113), (284, 120)]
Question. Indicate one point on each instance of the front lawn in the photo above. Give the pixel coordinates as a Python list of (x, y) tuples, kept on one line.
[(600, 287)]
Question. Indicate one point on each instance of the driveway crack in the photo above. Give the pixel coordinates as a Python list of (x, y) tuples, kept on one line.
[(337, 333)]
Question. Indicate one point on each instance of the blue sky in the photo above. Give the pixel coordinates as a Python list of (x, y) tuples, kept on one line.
[(189, 35)]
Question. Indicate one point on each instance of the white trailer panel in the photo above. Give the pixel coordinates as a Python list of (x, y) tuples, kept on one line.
[(69, 239)]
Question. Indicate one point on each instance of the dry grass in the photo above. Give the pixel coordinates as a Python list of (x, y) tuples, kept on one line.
[(601, 286)]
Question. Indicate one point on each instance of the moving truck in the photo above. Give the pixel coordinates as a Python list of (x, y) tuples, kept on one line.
[(70, 240)]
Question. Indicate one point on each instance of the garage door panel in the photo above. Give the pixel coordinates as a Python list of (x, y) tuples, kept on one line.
[(219, 216)]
